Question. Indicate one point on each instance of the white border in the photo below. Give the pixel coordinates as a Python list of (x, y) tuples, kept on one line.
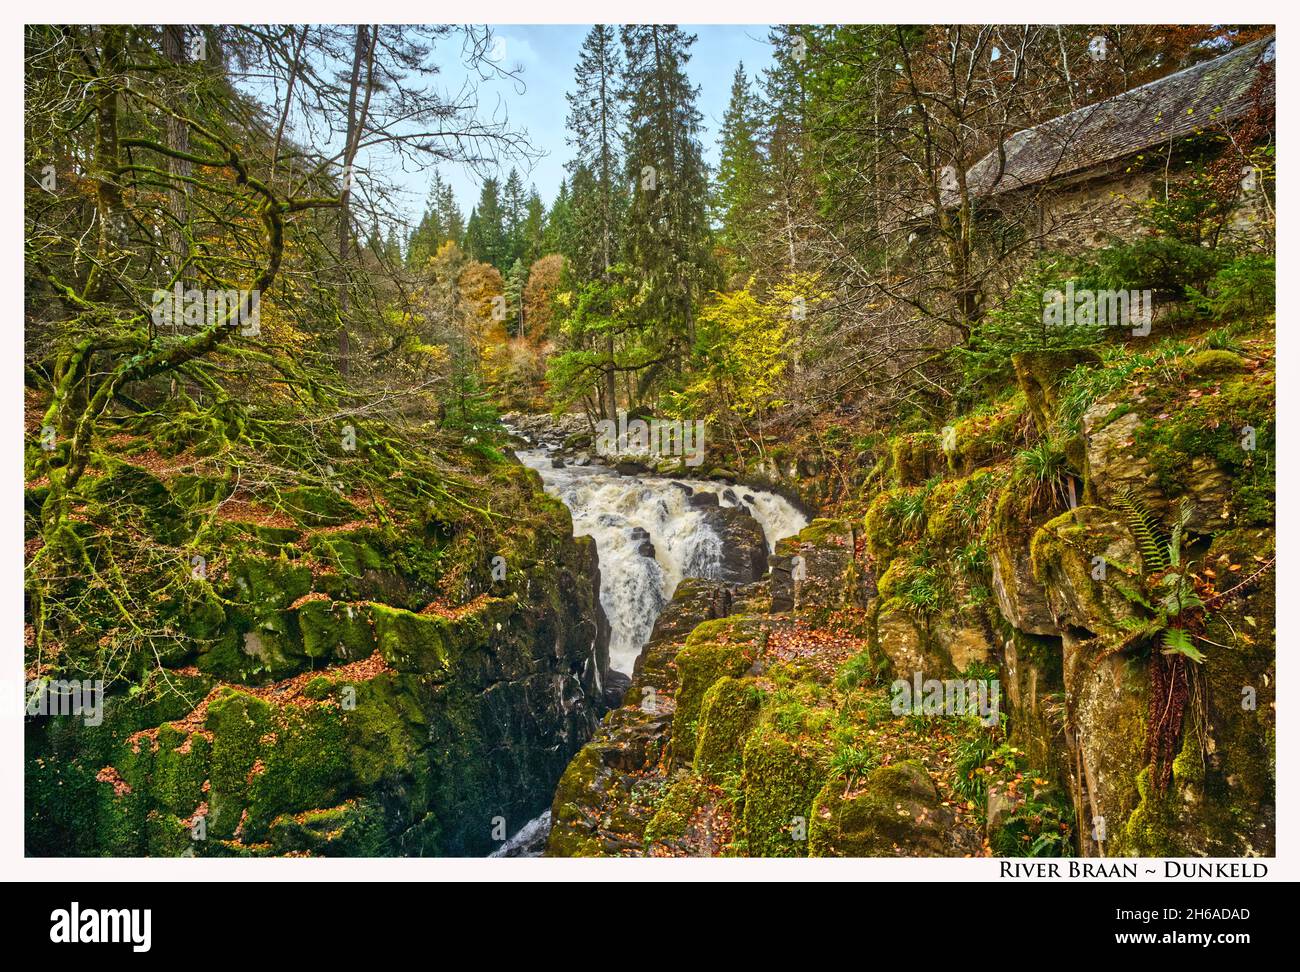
[(12, 862)]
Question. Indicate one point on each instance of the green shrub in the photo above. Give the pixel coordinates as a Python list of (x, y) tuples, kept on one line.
[(1015, 325), (1159, 263), (1245, 287)]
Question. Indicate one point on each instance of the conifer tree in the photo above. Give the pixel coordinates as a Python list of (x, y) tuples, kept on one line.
[(595, 117), (666, 237)]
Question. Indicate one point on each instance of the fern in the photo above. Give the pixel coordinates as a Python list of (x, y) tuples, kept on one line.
[(1146, 531), (1185, 510), (1176, 641)]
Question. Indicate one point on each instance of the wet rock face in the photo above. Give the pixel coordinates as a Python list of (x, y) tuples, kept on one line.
[(744, 548), (391, 731), (593, 811)]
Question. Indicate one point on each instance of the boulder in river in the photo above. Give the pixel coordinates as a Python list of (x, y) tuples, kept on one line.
[(744, 548)]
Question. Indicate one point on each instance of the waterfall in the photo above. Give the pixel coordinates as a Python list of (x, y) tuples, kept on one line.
[(649, 536)]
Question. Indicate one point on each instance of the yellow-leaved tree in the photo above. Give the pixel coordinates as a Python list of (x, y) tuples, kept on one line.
[(741, 356)]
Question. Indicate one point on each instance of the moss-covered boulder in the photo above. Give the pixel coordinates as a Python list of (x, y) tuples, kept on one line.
[(985, 437), (600, 808), (780, 775), (1086, 559), (896, 812), (337, 631), (1020, 597), (714, 650), (727, 713), (899, 635), (690, 819), (1039, 374), (916, 457)]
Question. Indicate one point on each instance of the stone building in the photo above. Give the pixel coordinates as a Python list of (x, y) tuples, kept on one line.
[(1072, 182)]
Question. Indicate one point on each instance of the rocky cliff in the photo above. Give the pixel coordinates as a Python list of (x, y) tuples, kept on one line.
[(403, 664), (1097, 547)]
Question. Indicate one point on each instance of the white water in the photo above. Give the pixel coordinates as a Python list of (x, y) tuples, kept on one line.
[(612, 509), (529, 841)]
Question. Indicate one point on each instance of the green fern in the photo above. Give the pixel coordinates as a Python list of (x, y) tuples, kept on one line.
[(1146, 531), (1176, 641), (1185, 510)]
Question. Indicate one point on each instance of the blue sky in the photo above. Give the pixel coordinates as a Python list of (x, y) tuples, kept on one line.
[(547, 54)]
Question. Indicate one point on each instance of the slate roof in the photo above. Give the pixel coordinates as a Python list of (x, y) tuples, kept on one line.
[(1206, 94)]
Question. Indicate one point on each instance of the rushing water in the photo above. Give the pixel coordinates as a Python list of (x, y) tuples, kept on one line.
[(626, 515)]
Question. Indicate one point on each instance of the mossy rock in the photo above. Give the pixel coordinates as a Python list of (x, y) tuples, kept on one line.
[(260, 587), (985, 438), (673, 823), (896, 813), (1220, 801), (354, 828), (305, 765), (1210, 438), (1086, 559), (1109, 692), (900, 636), (316, 506), (335, 630), (237, 721), (955, 508), (432, 644), (699, 665), (1032, 681), (180, 765), (388, 733), (916, 457), (1040, 373), (270, 651), (885, 532), (1214, 362), (727, 713), (780, 777), (1020, 597)]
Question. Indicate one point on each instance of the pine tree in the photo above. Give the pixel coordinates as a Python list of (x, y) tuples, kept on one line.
[(667, 231), (534, 231), (441, 222), (485, 236), (594, 121), (558, 235), (449, 217), (595, 116), (472, 235), (738, 202), (515, 282), (784, 106), (514, 205)]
